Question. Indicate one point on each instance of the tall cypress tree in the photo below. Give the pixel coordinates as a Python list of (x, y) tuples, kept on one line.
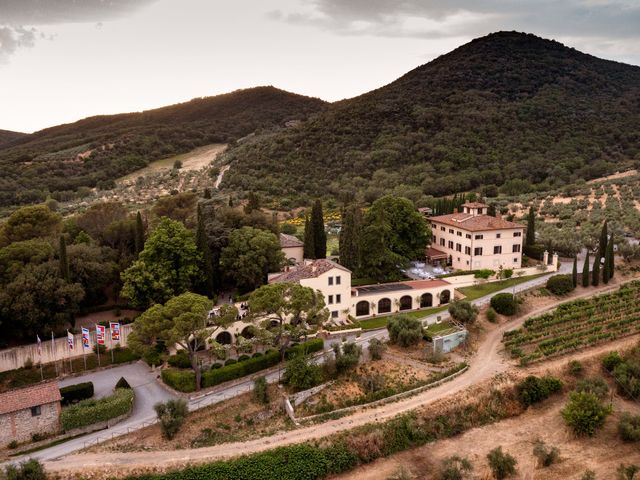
[(605, 268), (139, 233), (585, 271), (609, 257), (309, 247), (64, 262), (574, 273), (595, 274), (206, 285), (602, 246), (350, 235), (531, 227), (319, 235)]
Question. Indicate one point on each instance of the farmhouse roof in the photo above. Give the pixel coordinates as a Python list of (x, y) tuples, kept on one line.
[(475, 205), (475, 223), (310, 270), (32, 396), (288, 241)]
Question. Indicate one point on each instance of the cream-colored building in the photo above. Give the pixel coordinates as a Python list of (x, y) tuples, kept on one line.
[(292, 248), (473, 240)]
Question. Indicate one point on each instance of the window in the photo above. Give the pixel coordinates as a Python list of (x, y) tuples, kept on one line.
[(338, 280), (36, 411), (477, 251), (442, 242), (515, 260), (435, 240), (468, 235), (450, 244), (443, 229), (338, 298), (497, 249), (330, 300), (467, 251), (517, 234), (334, 314), (451, 230), (458, 247), (479, 237), (498, 235), (516, 248), (433, 225), (481, 211), (330, 280), (459, 233)]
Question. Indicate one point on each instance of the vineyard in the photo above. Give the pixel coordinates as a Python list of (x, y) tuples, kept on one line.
[(577, 324)]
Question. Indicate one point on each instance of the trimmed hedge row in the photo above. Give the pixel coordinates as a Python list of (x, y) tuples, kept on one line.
[(240, 369), (180, 380), (310, 346), (92, 411), (75, 393)]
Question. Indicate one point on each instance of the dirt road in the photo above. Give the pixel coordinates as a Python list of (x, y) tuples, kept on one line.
[(486, 363)]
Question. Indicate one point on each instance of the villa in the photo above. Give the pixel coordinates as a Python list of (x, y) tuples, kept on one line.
[(292, 248), (473, 240)]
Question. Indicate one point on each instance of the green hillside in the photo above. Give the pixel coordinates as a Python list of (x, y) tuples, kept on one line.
[(97, 150), (7, 136), (502, 107)]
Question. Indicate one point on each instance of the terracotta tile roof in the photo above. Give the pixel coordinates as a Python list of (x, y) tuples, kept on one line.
[(475, 205), (288, 241), (420, 284), (310, 270), (435, 254), (32, 396), (475, 223)]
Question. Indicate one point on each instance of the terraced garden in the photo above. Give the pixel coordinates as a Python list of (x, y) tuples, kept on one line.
[(577, 324)]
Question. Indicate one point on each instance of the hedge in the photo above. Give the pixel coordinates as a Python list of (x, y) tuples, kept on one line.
[(238, 370), (180, 360), (92, 411), (180, 380), (75, 393), (504, 303), (310, 346), (560, 284)]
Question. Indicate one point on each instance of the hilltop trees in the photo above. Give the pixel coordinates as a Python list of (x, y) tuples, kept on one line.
[(26, 223), (350, 236)]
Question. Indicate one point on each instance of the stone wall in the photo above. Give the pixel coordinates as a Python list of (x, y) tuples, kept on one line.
[(19, 426)]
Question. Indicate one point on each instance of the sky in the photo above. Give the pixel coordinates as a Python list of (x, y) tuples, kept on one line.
[(63, 60)]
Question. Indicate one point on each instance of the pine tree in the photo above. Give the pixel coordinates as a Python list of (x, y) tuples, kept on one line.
[(574, 274), (595, 274), (350, 235), (317, 227), (206, 285), (309, 248), (139, 233), (602, 246), (253, 203), (610, 255), (64, 262), (531, 227), (585, 271)]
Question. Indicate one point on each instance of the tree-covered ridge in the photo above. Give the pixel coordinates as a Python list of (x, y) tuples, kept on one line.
[(7, 136), (97, 150), (505, 106)]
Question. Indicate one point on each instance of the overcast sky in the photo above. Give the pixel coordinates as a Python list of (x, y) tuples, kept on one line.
[(62, 60)]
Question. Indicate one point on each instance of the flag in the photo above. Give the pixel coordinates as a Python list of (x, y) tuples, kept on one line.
[(39, 342), (85, 338), (115, 331), (100, 334), (70, 339)]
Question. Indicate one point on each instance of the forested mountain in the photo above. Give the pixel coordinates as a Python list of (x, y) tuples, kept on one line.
[(502, 107), (97, 150), (7, 136)]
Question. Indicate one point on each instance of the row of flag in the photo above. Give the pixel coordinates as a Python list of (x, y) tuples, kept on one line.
[(114, 328)]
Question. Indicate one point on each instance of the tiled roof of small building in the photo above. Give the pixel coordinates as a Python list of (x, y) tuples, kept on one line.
[(32, 396), (475, 205), (309, 270), (475, 223), (288, 241)]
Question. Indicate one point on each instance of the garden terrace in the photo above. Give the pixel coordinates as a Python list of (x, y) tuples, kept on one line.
[(577, 324)]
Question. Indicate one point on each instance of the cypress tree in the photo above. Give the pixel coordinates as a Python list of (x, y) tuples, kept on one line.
[(230, 201), (574, 273), (350, 235), (605, 268), (491, 211), (317, 227), (309, 248), (202, 242), (609, 257), (207, 193), (64, 262), (531, 227), (585, 271), (139, 233), (602, 246), (595, 274)]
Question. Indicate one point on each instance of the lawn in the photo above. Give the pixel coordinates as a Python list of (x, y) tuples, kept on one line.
[(480, 290), (438, 328), (379, 322)]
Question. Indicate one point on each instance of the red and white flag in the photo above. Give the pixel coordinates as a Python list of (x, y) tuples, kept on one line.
[(115, 331), (70, 340), (100, 334)]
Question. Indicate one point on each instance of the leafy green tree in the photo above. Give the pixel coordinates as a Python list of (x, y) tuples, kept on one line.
[(261, 390), (14, 257), (62, 260), (319, 234), (301, 373), (28, 470), (347, 356), (376, 348), (250, 255), (97, 218), (350, 235), (502, 464), (309, 245), (585, 271), (168, 265), (585, 413), (94, 268), (171, 415), (139, 239), (404, 331), (180, 207), (531, 227), (26, 223), (463, 311), (253, 203)]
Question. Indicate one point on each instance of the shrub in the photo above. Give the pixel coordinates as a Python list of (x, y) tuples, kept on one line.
[(611, 361), (92, 411), (29, 470), (502, 464), (122, 383), (575, 368), (588, 475), (12, 444), (546, 455), (463, 311), (491, 314), (535, 389), (305, 348), (560, 284), (75, 393), (504, 304), (257, 354), (171, 415), (180, 380), (534, 251), (261, 390), (238, 370), (400, 474), (180, 360), (231, 361), (215, 366), (597, 386), (99, 347), (484, 274), (629, 427), (347, 356), (404, 331), (302, 374), (376, 348), (627, 375), (152, 357), (242, 358), (584, 413), (627, 472), (455, 468)]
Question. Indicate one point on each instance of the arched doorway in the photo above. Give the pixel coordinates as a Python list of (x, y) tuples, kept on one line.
[(445, 296), (224, 338), (247, 332), (406, 303), (426, 300), (384, 305), (362, 308)]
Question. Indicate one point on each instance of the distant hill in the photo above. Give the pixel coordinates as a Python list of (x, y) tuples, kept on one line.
[(7, 136), (502, 107), (97, 150)]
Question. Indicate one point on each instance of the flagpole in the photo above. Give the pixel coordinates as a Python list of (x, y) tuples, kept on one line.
[(53, 350), (69, 349), (40, 354), (97, 345), (111, 341)]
